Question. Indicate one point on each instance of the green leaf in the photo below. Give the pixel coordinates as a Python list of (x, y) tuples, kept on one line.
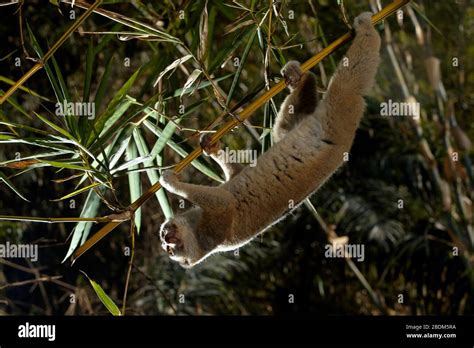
[(122, 139), (23, 88), (103, 84), (134, 183), (102, 119), (5, 179), (66, 165), (24, 127), (152, 173), (81, 190), (104, 298), (82, 229), (33, 157), (179, 149), (47, 67), (228, 49), (88, 75), (55, 127), (241, 66), (42, 142), (130, 164), (116, 115)]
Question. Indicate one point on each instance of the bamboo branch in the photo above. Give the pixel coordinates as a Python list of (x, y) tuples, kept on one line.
[(49, 220), (31, 281)]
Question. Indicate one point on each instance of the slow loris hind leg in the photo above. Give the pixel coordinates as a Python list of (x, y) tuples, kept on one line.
[(300, 103)]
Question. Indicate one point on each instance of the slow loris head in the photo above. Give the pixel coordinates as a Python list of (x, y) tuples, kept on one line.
[(178, 238)]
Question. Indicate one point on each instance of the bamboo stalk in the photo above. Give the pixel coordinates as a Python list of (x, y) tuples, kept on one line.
[(49, 220), (50, 53)]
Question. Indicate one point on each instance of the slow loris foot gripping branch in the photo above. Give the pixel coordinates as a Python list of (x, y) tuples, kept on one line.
[(311, 140)]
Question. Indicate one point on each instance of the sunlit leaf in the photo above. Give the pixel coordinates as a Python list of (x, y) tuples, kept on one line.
[(104, 298)]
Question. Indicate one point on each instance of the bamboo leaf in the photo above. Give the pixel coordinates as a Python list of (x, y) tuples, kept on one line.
[(132, 163), (104, 298), (172, 66), (197, 163), (103, 84), (54, 83), (77, 192), (116, 115), (24, 127), (203, 34), (24, 89), (122, 139), (241, 66), (42, 142), (55, 127), (152, 173), (226, 51), (190, 81), (5, 179), (134, 184), (111, 108), (88, 74), (66, 165), (82, 229), (203, 84)]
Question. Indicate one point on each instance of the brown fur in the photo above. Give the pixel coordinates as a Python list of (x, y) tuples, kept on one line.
[(310, 147)]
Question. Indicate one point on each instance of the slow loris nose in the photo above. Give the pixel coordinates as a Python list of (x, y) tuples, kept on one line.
[(170, 234)]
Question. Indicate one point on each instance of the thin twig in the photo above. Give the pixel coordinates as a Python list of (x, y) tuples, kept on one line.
[(331, 234), (130, 264), (30, 281), (28, 270)]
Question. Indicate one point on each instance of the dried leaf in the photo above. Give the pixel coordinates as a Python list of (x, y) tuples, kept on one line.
[(172, 66), (432, 65), (203, 34), (190, 81)]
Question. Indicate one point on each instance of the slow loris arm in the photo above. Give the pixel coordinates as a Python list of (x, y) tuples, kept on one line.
[(214, 151), (208, 198)]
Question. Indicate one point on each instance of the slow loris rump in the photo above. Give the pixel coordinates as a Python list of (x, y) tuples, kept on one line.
[(311, 140)]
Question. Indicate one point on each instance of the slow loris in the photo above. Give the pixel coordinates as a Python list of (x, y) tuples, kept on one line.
[(311, 140)]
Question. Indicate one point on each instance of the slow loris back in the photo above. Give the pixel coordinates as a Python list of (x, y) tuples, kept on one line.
[(311, 141)]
